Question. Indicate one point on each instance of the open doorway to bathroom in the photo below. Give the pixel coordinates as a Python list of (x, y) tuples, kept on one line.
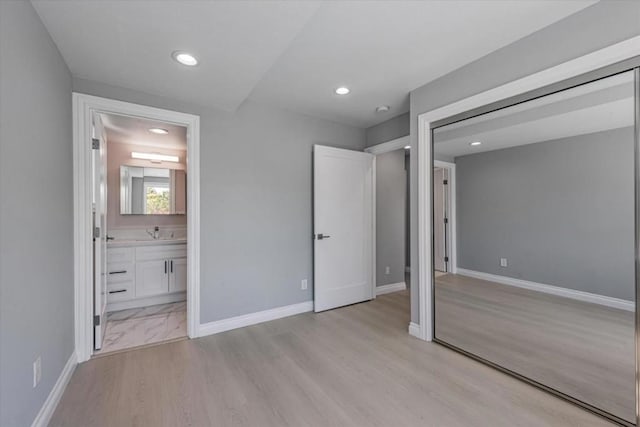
[(136, 225), (145, 261)]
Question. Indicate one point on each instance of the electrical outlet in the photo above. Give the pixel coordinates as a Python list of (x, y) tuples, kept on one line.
[(303, 284), (37, 371), (503, 262), (387, 270)]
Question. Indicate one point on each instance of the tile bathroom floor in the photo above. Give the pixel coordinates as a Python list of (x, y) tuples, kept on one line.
[(141, 326)]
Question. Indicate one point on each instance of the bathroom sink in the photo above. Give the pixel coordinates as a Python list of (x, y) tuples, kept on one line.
[(147, 242)]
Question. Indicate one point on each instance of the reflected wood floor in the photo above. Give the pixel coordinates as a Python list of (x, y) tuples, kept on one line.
[(582, 349), (353, 366)]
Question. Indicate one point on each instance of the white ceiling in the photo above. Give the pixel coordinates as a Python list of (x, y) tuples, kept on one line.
[(129, 43), (134, 130), (595, 107), (289, 53)]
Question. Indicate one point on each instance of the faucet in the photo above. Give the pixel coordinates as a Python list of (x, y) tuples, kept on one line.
[(155, 234)]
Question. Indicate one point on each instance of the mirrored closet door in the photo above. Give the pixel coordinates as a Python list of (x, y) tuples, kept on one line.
[(542, 282)]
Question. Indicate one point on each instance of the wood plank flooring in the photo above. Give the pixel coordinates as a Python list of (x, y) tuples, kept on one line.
[(581, 349), (353, 366)]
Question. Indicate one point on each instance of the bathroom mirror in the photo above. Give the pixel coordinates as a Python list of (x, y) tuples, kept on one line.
[(152, 191), (534, 250)]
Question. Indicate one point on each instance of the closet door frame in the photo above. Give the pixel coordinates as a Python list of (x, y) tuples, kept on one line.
[(627, 58)]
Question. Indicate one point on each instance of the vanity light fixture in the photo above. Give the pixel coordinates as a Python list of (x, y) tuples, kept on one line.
[(154, 157), (184, 58), (475, 143), (159, 131), (342, 90)]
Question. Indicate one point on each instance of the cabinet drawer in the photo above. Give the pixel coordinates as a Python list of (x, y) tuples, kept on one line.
[(120, 272), (120, 291), (116, 255), (148, 253)]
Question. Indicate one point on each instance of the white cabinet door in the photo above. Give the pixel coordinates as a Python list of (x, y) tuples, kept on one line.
[(178, 275), (152, 277)]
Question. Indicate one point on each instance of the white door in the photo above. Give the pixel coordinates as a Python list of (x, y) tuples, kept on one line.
[(99, 174), (152, 277), (178, 275), (440, 219), (343, 227)]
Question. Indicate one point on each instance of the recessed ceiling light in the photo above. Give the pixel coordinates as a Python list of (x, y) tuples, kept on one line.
[(159, 131), (184, 58), (406, 147), (475, 143), (383, 109), (342, 90)]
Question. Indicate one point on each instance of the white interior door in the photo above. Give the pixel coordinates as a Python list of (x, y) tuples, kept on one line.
[(99, 174), (439, 215), (343, 227)]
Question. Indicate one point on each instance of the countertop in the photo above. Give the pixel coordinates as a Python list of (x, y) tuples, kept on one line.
[(120, 243)]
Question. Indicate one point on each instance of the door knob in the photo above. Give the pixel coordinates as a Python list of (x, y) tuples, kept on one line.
[(323, 236)]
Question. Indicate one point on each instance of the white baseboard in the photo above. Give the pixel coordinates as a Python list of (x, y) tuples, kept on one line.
[(414, 330), (49, 406), (551, 289), (392, 287), (253, 318), (147, 301)]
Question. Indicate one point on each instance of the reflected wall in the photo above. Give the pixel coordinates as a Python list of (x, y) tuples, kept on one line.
[(545, 279)]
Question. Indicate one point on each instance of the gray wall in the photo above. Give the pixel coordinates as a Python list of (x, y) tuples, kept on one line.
[(390, 217), (389, 130), (561, 212), (36, 216), (593, 28), (256, 197), (407, 210)]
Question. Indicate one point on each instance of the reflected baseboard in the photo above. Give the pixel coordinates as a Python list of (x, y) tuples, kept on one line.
[(551, 289)]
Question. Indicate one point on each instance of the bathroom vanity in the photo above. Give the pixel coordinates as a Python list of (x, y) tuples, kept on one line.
[(145, 272)]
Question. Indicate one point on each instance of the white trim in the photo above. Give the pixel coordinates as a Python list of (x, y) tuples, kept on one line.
[(374, 228), (551, 289), (453, 228), (254, 318), (584, 64), (83, 106), (392, 287), (414, 330), (386, 147), (50, 404)]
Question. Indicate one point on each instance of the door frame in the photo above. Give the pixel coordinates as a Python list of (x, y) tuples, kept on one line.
[(83, 107), (593, 61), (385, 147), (452, 251)]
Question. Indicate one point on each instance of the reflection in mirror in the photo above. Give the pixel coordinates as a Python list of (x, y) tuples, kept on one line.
[(152, 191), (542, 280)]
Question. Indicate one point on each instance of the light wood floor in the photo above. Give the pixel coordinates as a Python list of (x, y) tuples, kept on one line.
[(581, 349), (353, 366)]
